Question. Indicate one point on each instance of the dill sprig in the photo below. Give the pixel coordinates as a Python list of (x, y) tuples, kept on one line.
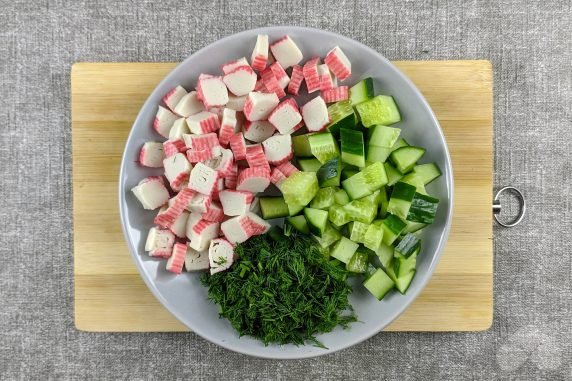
[(282, 291)]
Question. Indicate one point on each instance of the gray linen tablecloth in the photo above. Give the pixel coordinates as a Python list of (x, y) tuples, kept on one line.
[(530, 46)]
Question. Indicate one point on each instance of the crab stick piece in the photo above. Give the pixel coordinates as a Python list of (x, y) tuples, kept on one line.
[(254, 179), (167, 218), (327, 81), (203, 122), (338, 63), (260, 86), (194, 156), (241, 80), (159, 242), (238, 146), (311, 75), (285, 116), (259, 56), (151, 192), (177, 169), (259, 105), (179, 226), (201, 142), (189, 104), (200, 203), (235, 203), (235, 102), (278, 149), (214, 213), (255, 156), (228, 126), (287, 168), (178, 129), (221, 162), (221, 255), (231, 179), (296, 80), (286, 52), (196, 260), (277, 177), (172, 147), (203, 179), (280, 74), (202, 233), (315, 114), (177, 260), (258, 131), (212, 91), (271, 83), (172, 98), (152, 155), (240, 228), (230, 66), (164, 120), (336, 94)]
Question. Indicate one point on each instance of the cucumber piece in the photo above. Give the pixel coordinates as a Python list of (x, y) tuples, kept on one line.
[(324, 198), (400, 200), (317, 220), (273, 207), (294, 209), (364, 183), (344, 250), (301, 146), (357, 231), (323, 146), (412, 227), (379, 284), (309, 165), (358, 263), (423, 209), (392, 227), (400, 143), (408, 245), (361, 91), (329, 173), (405, 158), (377, 154), (373, 237), (414, 179), (342, 115), (353, 151), (375, 197), (348, 172), (329, 236), (403, 266), (299, 223), (393, 175), (402, 284), (360, 210), (383, 202), (338, 216), (341, 197), (385, 254), (300, 188), (427, 172), (383, 136), (381, 109)]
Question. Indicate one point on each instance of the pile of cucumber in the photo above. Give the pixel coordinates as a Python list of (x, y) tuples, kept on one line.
[(360, 192)]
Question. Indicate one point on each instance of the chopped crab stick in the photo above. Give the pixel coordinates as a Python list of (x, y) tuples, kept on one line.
[(315, 114), (296, 80), (259, 56), (286, 52), (177, 169), (172, 147), (271, 83), (167, 218), (212, 91), (336, 94), (221, 162), (202, 233), (287, 168), (203, 179), (238, 146), (326, 79), (199, 203), (177, 260), (260, 86), (179, 129), (231, 179), (198, 156), (230, 66), (241, 80), (276, 177), (280, 74), (159, 242), (278, 149), (151, 192), (259, 105), (221, 255), (201, 142), (240, 228), (258, 131), (235, 102), (255, 156), (285, 116), (214, 212), (164, 120), (179, 226), (254, 179), (338, 63), (235, 203), (311, 75), (152, 155), (228, 126), (203, 122), (196, 260), (189, 104), (172, 98)]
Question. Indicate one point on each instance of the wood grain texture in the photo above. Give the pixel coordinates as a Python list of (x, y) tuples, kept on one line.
[(111, 296)]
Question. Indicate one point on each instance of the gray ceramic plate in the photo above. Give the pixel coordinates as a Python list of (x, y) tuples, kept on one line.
[(184, 296)]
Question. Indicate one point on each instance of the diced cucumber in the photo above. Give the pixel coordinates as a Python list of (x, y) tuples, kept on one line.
[(358, 263), (377, 154), (427, 172), (300, 188), (412, 227), (383, 202), (348, 172), (383, 136), (381, 109), (341, 197), (329, 173), (400, 200), (301, 146), (357, 231), (294, 209), (344, 250), (361, 210), (402, 266), (309, 165), (414, 179), (323, 146), (400, 143), (373, 237), (273, 207), (402, 283), (375, 197), (342, 115), (423, 209), (353, 151), (329, 236), (317, 220), (338, 216), (324, 198), (392, 226), (385, 254), (405, 158), (408, 245), (361, 91), (364, 183), (379, 284), (299, 223), (393, 175)]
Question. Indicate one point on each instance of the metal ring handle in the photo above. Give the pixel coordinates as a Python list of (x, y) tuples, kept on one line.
[(497, 207)]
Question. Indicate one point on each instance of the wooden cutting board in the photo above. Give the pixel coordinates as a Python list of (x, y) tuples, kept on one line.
[(111, 296)]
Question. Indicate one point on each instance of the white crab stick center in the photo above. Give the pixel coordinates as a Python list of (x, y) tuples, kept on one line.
[(315, 114), (196, 260), (240, 81), (278, 149), (221, 255), (285, 116), (286, 52), (151, 193), (259, 105), (189, 104), (152, 155), (258, 131)]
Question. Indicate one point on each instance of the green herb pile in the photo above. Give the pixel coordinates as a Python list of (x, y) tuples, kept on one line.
[(282, 290)]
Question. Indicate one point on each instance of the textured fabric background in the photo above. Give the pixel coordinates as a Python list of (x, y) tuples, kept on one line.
[(530, 46)]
